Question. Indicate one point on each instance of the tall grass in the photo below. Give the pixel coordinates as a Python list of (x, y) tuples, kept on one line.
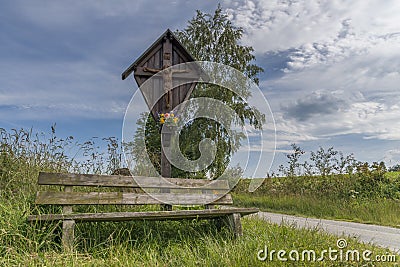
[(186, 243), (24, 153), (172, 243)]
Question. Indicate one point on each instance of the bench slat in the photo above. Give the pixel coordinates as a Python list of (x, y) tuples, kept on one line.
[(122, 198), (71, 179), (151, 215)]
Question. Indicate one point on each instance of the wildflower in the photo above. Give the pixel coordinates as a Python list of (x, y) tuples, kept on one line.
[(168, 118)]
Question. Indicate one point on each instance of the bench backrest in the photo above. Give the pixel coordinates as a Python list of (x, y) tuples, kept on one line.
[(157, 190)]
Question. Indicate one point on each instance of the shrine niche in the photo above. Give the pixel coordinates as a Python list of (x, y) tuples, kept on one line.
[(155, 62)]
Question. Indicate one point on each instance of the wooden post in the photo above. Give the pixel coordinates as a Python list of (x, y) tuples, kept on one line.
[(165, 167), (167, 79), (165, 164), (68, 227), (235, 224)]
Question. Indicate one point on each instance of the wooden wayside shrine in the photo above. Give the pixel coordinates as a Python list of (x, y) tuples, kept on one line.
[(159, 92), (161, 95)]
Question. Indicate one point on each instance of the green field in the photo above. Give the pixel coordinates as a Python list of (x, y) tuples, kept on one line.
[(392, 175)]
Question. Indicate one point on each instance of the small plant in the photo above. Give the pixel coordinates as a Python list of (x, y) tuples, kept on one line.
[(395, 168), (293, 161)]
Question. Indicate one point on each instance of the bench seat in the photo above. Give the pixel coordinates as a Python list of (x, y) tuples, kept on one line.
[(144, 215)]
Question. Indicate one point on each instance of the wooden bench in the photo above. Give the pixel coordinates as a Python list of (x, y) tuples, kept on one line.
[(157, 190)]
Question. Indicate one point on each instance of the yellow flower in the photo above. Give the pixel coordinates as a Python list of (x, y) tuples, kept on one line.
[(162, 120), (172, 115), (162, 115), (175, 120)]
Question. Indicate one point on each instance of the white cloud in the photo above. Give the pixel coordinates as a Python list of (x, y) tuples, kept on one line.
[(281, 25), (342, 73), (323, 33), (372, 120)]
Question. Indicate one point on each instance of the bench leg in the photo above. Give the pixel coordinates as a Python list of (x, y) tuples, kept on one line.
[(165, 207), (68, 230), (235, 224)]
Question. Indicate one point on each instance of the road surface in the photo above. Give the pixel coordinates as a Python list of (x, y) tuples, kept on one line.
[(383, 236)]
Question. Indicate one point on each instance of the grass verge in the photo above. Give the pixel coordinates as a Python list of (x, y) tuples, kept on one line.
[(371, 211), (186, 243)]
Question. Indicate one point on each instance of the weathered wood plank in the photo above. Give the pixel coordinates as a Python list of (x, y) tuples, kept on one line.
[(123, 198), (148, 215), (141, 71), (127, 181), (68, 235)]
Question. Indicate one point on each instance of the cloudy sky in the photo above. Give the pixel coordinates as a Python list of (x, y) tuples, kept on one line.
[(332, 68)]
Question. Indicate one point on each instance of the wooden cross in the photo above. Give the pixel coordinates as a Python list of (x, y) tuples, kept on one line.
[(165, 52), (167, 77)]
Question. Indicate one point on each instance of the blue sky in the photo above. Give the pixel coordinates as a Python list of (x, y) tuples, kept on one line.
[(332, 68)]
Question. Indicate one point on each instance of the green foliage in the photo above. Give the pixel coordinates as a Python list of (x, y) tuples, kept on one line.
[(210, 37), (392, 174), (293, 162), (326, 163), (148, 128), (324, 160), (395, 168), (373, 185)]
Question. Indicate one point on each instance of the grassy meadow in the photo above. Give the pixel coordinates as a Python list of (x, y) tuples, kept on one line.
[(362, 197), (172, 243)]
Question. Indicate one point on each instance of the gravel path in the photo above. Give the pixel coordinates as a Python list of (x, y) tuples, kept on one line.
[(383, 236)]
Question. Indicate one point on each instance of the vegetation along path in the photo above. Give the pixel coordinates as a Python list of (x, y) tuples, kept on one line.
[(378, 235)]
